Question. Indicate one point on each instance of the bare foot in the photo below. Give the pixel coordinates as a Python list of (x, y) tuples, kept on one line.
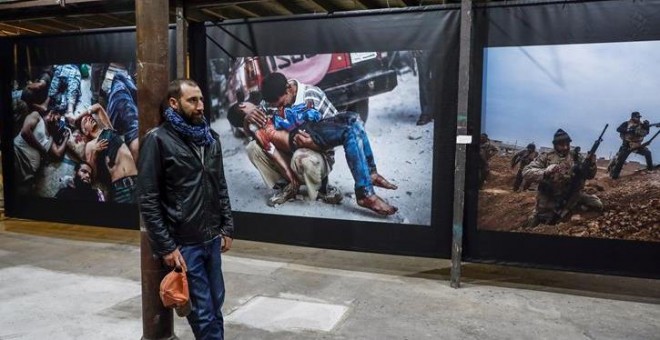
[(377, 204), (380, 181)]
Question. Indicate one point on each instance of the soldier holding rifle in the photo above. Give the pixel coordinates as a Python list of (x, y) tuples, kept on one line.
[(632, 134), (562, 175)]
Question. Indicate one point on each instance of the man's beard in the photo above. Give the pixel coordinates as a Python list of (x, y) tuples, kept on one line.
[(189, 118), (195, 121), (80, 184)]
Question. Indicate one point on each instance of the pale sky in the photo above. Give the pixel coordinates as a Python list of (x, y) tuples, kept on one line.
[(529, 92)]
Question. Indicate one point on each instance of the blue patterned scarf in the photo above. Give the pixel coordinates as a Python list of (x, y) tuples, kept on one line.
[(199, 134)]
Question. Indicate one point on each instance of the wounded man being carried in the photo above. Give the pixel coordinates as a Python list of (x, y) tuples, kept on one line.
[(301, 126)]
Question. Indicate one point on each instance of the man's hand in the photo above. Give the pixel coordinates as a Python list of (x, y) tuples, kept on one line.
[(99, 145), (175, 259), (552, 168), (256, 116), (303, 140), (226, 245), (293, 180), (67, 135)]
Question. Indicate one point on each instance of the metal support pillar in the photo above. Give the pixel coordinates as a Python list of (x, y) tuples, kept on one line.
[(464, 69), (152, 19), (181, 41)]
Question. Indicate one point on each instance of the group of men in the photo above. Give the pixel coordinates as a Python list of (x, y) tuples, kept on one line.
[(562, 172), (55, 121)]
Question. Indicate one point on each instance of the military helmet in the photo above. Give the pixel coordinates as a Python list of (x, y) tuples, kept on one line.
[(560, 137), (635, 114), (531, 146)]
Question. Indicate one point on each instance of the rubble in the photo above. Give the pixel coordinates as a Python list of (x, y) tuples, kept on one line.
[(631, 206)]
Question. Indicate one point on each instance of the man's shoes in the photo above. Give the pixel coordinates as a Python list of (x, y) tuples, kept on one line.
[(332, 195), (424, 119), (282, 195)]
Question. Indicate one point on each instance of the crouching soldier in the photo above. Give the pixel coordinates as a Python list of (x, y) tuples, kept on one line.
[(561, 183)]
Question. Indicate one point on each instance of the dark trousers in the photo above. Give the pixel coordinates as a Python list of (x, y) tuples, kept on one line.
[(207, 289), (622, 155), (426, 95)]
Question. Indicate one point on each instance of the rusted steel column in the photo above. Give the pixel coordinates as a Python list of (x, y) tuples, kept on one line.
[(181, 41), (152, 19), (465, 52)]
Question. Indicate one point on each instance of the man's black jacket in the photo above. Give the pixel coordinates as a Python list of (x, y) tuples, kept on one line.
[(183, 200)]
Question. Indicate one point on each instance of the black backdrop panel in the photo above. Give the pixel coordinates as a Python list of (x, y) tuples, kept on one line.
[(33, 53), (561, 27), (5, 107), (433, 31)]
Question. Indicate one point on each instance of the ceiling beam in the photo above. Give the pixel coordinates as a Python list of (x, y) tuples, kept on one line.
[(5, 33), (21, 28), (374, 4), (65, 24), (350, 5), (214, 14), (118, 18), (272, 8), (302, 6), (193, 14), (215, 3), (84, 23), (244, 11), (52, 3), (327, 5), (118, 7), (38, 24)]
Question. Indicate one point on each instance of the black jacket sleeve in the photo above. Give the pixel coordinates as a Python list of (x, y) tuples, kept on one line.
[(150, 180), (623, 128)]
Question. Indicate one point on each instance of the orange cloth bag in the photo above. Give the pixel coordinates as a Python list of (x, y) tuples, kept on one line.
[(174, 292)]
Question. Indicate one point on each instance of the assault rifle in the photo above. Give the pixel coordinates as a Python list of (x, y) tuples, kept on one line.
[(645, 144), (654, 125), (580, 170)]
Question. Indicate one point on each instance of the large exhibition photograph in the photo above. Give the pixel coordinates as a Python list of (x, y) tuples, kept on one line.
[(367, 115), (569, 140), (76, 132)]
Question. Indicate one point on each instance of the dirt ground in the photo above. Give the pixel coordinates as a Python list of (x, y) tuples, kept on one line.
[(631, 205), (403, 153)]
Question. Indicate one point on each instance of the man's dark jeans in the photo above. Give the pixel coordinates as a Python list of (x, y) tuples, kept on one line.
[(346, 129), (207, 289)]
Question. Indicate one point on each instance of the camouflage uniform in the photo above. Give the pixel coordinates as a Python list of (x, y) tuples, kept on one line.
[(523, 158), (632, 133), (557, 184), (486, 151)]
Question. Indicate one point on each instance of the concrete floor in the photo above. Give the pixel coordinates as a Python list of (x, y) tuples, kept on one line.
[(72, 282)]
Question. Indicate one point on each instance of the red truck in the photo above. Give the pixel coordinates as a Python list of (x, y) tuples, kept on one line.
[(348, 79)]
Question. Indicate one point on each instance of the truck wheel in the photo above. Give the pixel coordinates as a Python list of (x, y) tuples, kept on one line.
[(362, 108)]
